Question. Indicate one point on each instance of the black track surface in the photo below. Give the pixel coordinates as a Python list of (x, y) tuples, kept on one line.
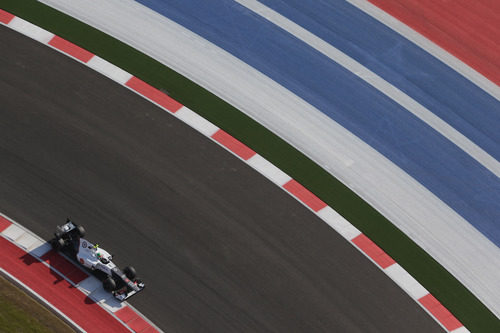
[(221, 248)]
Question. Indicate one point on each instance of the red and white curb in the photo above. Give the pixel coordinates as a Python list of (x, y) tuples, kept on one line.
[(397, 273), (33, 249)]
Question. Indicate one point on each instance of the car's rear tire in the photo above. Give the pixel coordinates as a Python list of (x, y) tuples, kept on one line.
[(58, 244), (109, 284), (80, 231), (130, 272)]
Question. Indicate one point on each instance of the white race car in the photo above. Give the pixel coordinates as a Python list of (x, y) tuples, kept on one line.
[(69, 240)]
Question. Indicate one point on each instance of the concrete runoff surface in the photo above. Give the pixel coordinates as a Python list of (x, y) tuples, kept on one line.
[(220, 247)]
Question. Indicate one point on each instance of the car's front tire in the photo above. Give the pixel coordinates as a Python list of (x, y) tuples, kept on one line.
[(109, 284), (130, 272), (80, 231)]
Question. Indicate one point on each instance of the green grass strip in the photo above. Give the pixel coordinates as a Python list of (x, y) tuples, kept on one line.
[(467, 308), (20, 313)]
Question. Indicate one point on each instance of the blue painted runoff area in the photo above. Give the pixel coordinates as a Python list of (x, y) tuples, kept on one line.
[(439, 165), (446, 93)]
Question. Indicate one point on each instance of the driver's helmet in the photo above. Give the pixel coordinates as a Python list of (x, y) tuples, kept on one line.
[(98, 255)]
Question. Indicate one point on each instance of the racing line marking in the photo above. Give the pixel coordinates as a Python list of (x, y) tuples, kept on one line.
[(374, 253)]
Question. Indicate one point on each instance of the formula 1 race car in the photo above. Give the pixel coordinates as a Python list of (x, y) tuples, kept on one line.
[(69, 240)]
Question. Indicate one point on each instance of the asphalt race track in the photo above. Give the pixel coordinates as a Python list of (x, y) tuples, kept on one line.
[(221, 248)]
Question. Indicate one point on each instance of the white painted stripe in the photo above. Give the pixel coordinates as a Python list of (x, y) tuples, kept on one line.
[(108, 69), (26, 240), (31, 291), (339, 223), (13, 232), (92, 287), (406, 281), (39, 251), (378, 83), (196, 121), (460, 330), (89, 285), (39, 246), (268, 170), (35, 245), (111, 304), (31, 30), (459, 66)]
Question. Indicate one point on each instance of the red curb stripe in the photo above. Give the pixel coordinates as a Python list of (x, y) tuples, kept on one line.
[(153, 94), (66, 268), (304, 195), (71, 49), (55, 290), (233, 145), (77, 276), (138, 324), (440, 312), (373, 251), (133, 320), (6, 17), (126, 314), (4, 223)]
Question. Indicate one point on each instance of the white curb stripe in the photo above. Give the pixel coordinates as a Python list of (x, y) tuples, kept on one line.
[(196, 121), (30, 30), (13, 232), (406, 281), (108, 69), (268, 170), (27, 241), (461, 330), (339, 223)]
